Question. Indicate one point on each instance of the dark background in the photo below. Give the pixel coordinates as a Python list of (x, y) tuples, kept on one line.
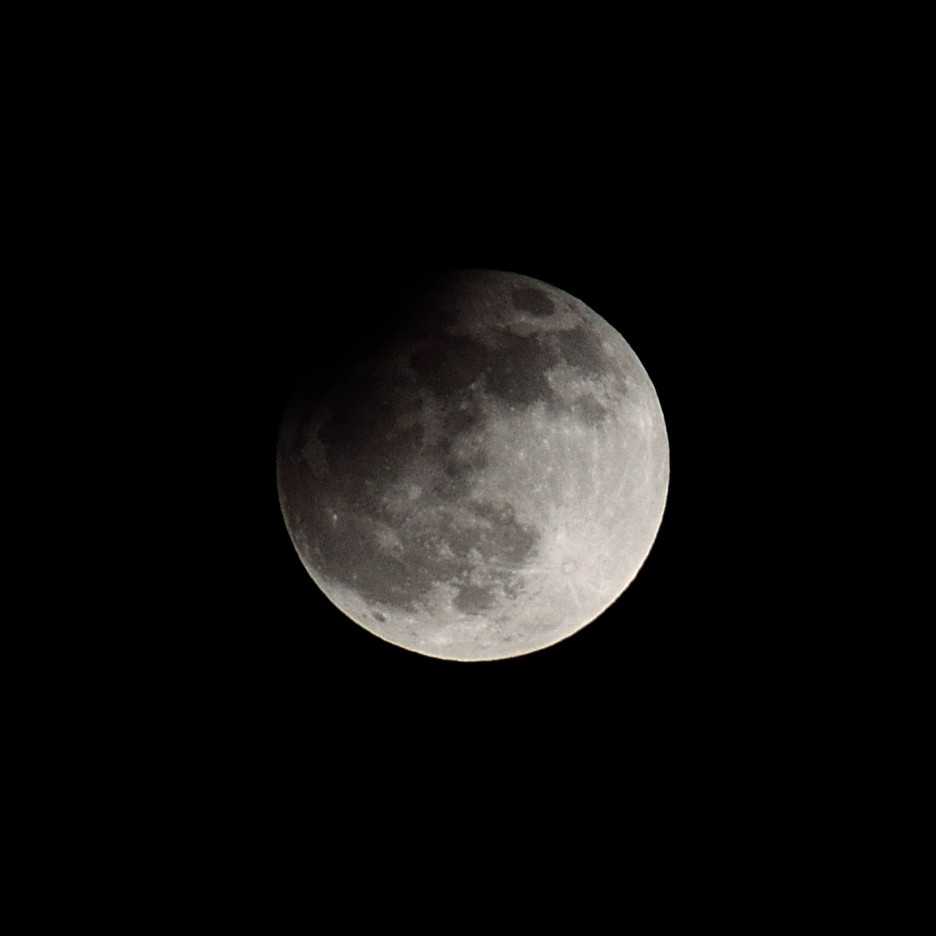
[(271, 232), (297, 280), (227, 209)]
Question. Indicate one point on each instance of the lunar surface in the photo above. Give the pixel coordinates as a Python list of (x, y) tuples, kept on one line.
[(487, 480)]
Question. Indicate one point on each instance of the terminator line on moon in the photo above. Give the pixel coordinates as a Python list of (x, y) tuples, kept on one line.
[(486, 482)]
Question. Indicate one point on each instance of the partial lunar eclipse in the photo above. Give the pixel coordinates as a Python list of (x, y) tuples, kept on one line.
[(485, 483)]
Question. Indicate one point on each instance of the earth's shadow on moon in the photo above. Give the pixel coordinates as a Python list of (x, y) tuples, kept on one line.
[(405, 308)]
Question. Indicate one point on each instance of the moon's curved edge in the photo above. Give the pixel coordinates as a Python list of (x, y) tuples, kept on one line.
[(332, 590)]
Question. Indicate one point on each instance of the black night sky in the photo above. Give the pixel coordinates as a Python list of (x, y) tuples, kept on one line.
[(243, 208), (302, 281), (285, 248)]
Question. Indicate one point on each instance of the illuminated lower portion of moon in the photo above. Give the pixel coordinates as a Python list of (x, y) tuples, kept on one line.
[(488, 482)]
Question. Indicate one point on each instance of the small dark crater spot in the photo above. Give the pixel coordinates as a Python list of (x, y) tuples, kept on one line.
[(457, 470), (378, 616), (511, 590), (533, 300)]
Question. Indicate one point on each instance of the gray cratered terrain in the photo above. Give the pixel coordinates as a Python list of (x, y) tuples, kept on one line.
[(488, 480)]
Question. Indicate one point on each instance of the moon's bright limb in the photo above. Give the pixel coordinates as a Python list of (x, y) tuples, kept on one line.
[(489, 481)]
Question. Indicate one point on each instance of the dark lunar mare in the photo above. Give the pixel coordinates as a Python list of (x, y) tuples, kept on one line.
[(533, 300), (354, 535)]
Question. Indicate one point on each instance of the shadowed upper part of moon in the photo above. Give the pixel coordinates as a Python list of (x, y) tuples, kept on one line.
[(487, 479)]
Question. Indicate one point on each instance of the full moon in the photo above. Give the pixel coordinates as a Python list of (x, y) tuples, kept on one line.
[(485, 480)]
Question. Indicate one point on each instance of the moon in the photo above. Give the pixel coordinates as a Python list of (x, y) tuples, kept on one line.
[(487, 479)]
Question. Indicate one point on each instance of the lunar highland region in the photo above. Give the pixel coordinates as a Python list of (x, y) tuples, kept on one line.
[(486, 481)]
